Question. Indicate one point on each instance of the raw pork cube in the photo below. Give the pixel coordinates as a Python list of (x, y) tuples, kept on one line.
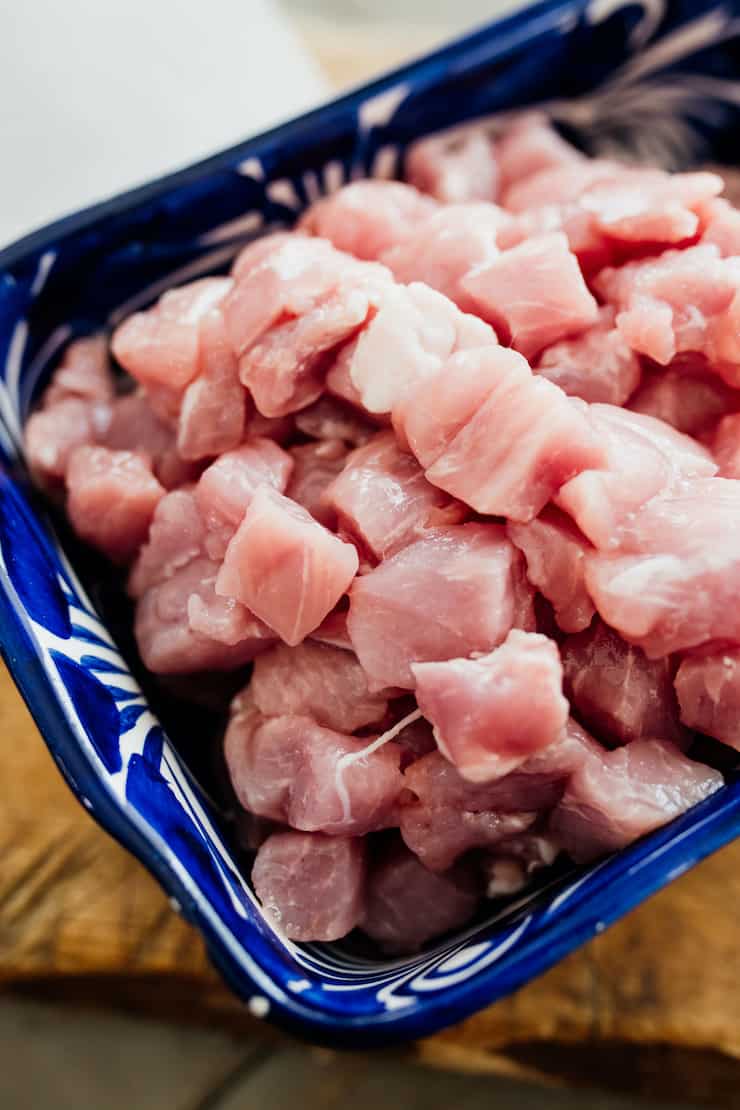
[(407, 905), (160, 346), (531, 144), (721, 226), (333, 629), (315, 466), (292, 770), (134, 426), (176, 538), (383, 500), (167, 641), (559, 184), (285, 567), (644, 457), (555, 552), (225, 490), (667, 305), (533, 294), (289, 310), (448, 245), (367, 217), (311, 886), (618, 692), (596, 366), (679, 585), (726, 446), (214, 405), (455, 591), (410, 338), (634, 790), (492, 713), (522, 440), (687, 395), (339, 379), (649, 206), (314, 680), (111, 498), (329, 418), (52, 435), (708, 689), (84, 372), (454, 168)]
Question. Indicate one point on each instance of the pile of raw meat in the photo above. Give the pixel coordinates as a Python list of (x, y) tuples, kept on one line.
[(456, 464)]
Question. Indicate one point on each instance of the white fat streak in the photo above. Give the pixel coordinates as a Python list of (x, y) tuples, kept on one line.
[(346, 761)]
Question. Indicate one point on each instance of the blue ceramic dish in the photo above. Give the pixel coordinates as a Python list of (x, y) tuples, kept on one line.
[(657, 77)]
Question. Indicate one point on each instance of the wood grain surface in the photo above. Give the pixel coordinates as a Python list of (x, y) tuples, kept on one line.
[(653, 1005)]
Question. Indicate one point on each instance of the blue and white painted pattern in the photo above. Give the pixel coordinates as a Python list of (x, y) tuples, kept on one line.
[(658, 79)]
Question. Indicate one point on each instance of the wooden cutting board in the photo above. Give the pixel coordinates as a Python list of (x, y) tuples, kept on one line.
[(652, 1006)]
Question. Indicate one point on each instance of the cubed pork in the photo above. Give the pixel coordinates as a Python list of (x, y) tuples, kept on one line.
[(455, 591), (533, 294), (382, 499), (317, 681), (111, 498), (285, 567), (365, 218), (529, 145), (708, 689), (160, 346), (649, 206), (290, 769), (407, 905), (726, 446), (329, 418), (595, 366), (721, 226), (618, 692), (687, 395), (176, 538), (53, 434), (454, 168), (288, 312), (311, 886), (555, 551), (491, 713), (214, 405), (644, 457), (631, 791), (84, 372), (134, 426)]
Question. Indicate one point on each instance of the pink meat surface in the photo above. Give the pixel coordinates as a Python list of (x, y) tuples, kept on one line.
[(726, 446), (708, 689), (410, 338), (644, 457), (687, 395), (176, 538), (559, 184), (407, 905), (721, 227), (447, 246), (455, 591), (555, 552), (491, 713), (311, 886), (383, 501), (333, 629), (315, 466), (214, 405), (497, 438), (367, 217), (455, 168), (595, 366), (330, 418), (631, 791), (84, 372), (317, 681), (160, 346), (285, 567), (670, 304), (678, 584), (649, 206), (590, 246), (289, 311), (530, 145), (134, 426), (618, 692), (111, 498), (225, 490), (292, 770), (533, 294), (53, 434)]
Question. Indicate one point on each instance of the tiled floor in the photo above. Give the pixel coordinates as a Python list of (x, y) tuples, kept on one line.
[(54, 1058)]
